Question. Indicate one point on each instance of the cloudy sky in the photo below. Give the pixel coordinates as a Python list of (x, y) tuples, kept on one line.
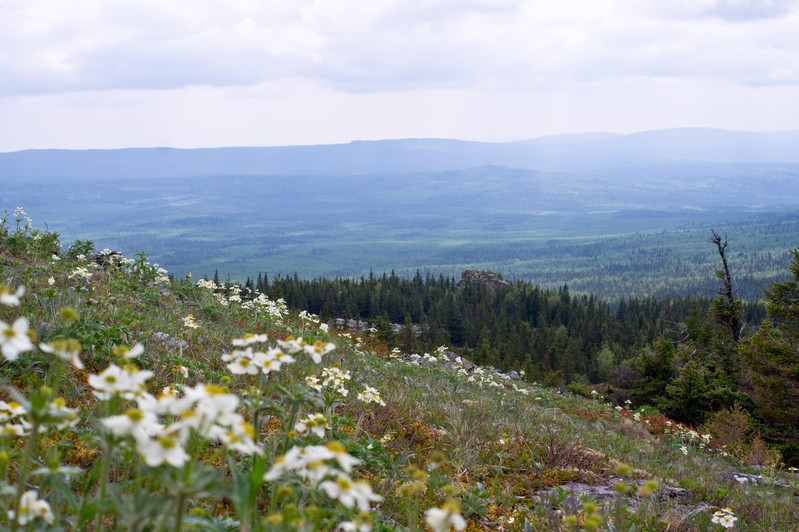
[(204, 73)]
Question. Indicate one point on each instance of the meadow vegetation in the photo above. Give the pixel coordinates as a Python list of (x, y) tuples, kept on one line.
[(132, 401)]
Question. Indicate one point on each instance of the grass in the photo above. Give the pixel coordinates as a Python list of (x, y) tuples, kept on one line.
[(470, 444)]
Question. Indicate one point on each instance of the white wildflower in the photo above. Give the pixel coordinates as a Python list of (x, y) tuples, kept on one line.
[(313, 382), (241, 362), (14, 339), (9, 298), (316, 423), (140, 424), (206, 284), (127, 353), (81, 272), (60, 414), (311, 462), (249, 339), (354, 526), (371, 395), (725, 518), (31, 507), (240, 438), (10, 411), (164, 448), (350, 493), (127, 382), (444, 518), (68, 350), (15, 429)]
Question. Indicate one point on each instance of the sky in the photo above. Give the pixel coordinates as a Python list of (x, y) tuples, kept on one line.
[(202, 73)]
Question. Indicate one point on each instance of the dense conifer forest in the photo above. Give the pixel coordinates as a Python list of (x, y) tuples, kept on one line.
[(508, 325)]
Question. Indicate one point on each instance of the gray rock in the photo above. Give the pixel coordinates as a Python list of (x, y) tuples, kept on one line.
[(745, 479), (351, 324), (605, 494), (170, 341), (106, 258)]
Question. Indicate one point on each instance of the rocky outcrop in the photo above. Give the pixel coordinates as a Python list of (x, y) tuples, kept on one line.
[(759, 480), (105, 258), (351, 324), (605, 494), (483, 277), (364, 326)]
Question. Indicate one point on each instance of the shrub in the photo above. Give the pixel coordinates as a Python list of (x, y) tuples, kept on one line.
[(731, 429)]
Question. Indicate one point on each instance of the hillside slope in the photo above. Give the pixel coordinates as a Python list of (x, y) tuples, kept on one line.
[(219, 418)]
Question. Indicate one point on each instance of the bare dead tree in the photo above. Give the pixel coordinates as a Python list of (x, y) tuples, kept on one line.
[(727, 308)]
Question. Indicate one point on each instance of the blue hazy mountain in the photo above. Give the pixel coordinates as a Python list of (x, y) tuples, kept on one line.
[(684, 151), (577, 209)]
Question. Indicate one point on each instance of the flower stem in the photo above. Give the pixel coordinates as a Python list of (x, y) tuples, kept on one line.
[(181, 506), (30, 446)]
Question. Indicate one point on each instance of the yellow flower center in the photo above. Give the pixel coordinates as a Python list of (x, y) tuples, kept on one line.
[(135, 415)]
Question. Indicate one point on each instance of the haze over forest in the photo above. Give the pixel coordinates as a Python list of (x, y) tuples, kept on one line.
[(586, 210)]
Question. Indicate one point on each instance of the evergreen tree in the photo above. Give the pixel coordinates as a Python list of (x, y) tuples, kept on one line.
[(407, 335), (686, 397), (772, 357), (655, 370)]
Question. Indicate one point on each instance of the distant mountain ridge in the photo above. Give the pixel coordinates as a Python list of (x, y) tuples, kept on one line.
[(600, 153)]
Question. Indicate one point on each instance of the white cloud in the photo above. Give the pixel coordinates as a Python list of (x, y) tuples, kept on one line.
[(438, 60), (728, 10), (379, 45)]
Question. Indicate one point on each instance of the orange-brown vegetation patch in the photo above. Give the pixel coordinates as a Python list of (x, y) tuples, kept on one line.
[(409, 434)]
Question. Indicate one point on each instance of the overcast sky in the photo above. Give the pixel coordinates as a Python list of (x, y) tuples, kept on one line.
[(205, 73)]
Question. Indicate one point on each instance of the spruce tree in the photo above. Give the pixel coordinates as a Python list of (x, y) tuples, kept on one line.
[(772, 358)]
